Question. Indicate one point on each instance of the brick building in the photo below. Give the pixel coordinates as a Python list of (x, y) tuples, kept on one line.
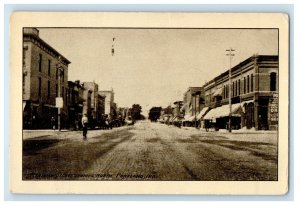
[(75, 104), (193, 103), (43, 67), (109, 101), (254, 95), (93, 87)]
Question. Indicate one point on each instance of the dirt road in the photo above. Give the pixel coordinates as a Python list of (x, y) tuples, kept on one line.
[(150, 151)]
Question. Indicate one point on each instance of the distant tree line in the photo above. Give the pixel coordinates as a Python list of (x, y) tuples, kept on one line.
[(136, 110), (154, 113)]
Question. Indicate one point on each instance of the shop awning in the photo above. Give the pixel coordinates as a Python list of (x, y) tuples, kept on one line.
[(192, 118), (187, 117), (202, 112), (223, 111), (177, 119), (218, 92), (246, 102)]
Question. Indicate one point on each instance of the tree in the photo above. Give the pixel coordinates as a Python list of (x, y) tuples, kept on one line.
[(154, 113), (136, 112)]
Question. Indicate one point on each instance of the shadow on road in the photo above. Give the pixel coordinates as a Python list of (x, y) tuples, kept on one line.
[(48, 159), (32, 146)]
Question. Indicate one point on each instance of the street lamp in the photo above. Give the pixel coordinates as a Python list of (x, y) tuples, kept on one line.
[(230, 54)]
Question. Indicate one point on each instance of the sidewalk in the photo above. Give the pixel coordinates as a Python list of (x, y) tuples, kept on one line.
[(65, 134), (240, 131)]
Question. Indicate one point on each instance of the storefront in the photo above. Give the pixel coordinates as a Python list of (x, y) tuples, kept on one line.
[(219, 117)]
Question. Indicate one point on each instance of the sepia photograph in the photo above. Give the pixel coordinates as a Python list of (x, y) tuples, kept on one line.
[(151, 103)]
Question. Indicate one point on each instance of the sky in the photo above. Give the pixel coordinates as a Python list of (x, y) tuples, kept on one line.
[(154, 67)]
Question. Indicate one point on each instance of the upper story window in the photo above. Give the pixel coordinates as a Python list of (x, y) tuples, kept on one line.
[(40, 87), (248, 83), (244, 85), (233, 89), (40, 62), (273, 83), (63, 76), (49, 67), (239, 89), (252, 84), (227, 91), (236, 88)]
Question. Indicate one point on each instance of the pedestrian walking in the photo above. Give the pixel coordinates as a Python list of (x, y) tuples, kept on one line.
[(53, 123), (84, 122)]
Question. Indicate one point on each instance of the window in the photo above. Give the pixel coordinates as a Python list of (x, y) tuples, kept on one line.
[(63, 76), (56, 73), (252, 83), (49, 67), (236, 88), (244, 85), (248, 81), (224, 92), (239, 87), (40, 62), (56, 90), (273, 85), (40, 86), (48, 89), (227, 91), (232, 90)]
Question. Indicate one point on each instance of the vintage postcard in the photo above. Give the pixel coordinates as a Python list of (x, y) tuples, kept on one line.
[(149, 103)]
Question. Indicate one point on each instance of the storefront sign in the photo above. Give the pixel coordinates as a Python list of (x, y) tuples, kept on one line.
[(59, 103), (274, 108)]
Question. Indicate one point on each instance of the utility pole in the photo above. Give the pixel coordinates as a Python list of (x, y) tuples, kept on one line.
[(59, 70), (230, 54)]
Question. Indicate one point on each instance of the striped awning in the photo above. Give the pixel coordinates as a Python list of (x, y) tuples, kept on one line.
[(223, 111)]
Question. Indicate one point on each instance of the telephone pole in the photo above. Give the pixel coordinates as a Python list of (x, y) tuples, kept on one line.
[(230, 54), (59, 70)]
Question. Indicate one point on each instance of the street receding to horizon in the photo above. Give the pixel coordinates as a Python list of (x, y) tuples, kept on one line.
[(150, 151)]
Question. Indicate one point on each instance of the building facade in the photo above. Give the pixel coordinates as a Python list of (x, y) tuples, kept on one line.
[(253, 91), (93, 112), (75, 104), (109, 101), (193, 103), (101, 105), (87, 101), (45, 77)]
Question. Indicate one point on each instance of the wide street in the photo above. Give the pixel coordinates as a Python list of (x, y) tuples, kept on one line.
[(149, 151)]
